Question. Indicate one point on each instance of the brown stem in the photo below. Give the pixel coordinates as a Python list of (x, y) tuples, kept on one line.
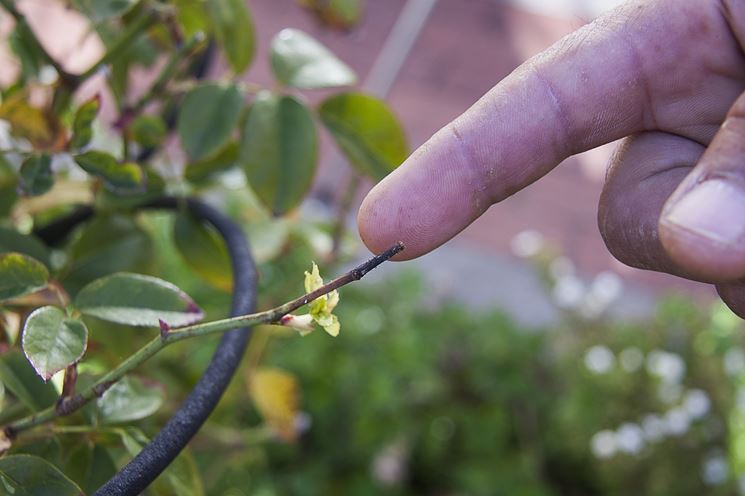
[(353, 275)]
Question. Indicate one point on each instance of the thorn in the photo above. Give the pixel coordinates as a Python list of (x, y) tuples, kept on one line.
[(164, 328)]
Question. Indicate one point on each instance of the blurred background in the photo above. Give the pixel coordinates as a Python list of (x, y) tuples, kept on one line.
[(432, 60), (519, 359)]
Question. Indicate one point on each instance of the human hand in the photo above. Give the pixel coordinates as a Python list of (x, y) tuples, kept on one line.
[(669, 76)]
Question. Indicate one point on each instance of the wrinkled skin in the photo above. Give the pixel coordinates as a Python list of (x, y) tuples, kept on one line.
[(667, 76)]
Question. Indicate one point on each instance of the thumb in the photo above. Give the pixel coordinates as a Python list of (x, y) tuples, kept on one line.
[(703, 223)]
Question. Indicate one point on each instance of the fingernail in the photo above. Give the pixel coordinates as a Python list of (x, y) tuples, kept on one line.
[(714, 210)]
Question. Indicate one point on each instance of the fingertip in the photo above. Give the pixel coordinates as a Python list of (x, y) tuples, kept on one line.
[(379, 221), (426, 201)]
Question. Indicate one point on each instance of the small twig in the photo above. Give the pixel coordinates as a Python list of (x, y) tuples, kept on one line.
[(145, 21), (184, 51), (68, 405), (345, 204), (353, 275), (12, 412)]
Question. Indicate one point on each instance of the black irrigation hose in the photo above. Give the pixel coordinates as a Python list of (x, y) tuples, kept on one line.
[(181, 427)]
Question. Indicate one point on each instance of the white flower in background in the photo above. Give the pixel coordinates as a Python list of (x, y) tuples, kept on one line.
[(696, 403), (606, 287), (653, 427), (6, 140), (631, 359), (603, 444), (561, 267), (47, 75), (233, 179), (370, 319), (669, 367), (568, 292), (64, 162), (714, 470), (599, 359), (669, 392), (734, 361), (591, 307), (630, 438), (527, 244), (677, 422), (389, 466)]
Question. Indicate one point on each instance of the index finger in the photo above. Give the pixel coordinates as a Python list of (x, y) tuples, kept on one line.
[(616, 76)]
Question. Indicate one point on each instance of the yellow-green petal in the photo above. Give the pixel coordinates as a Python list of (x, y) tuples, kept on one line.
[(332, 301), (334, 327), (313, 279), (318, 306)]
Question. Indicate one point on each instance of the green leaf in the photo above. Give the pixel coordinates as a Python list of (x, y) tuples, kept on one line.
[(42, 129), (180, 477), (367, 132), (109, 243), (234, 30), (128, 400), (133, 440), (337, 13), (223, 160), (8, 187), (192, 17), (101, 10), (20, 275), (101, 470), (279, 150), (300, 61), (82, 125), (120, 178), (208, 116), (29, 475), (137, 300), (203, 250), (148, 131), (20, 379), (110, 201), (28, 244), (36, 175), (87, 463), (28, 52), (52, 341), (61, 101)]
